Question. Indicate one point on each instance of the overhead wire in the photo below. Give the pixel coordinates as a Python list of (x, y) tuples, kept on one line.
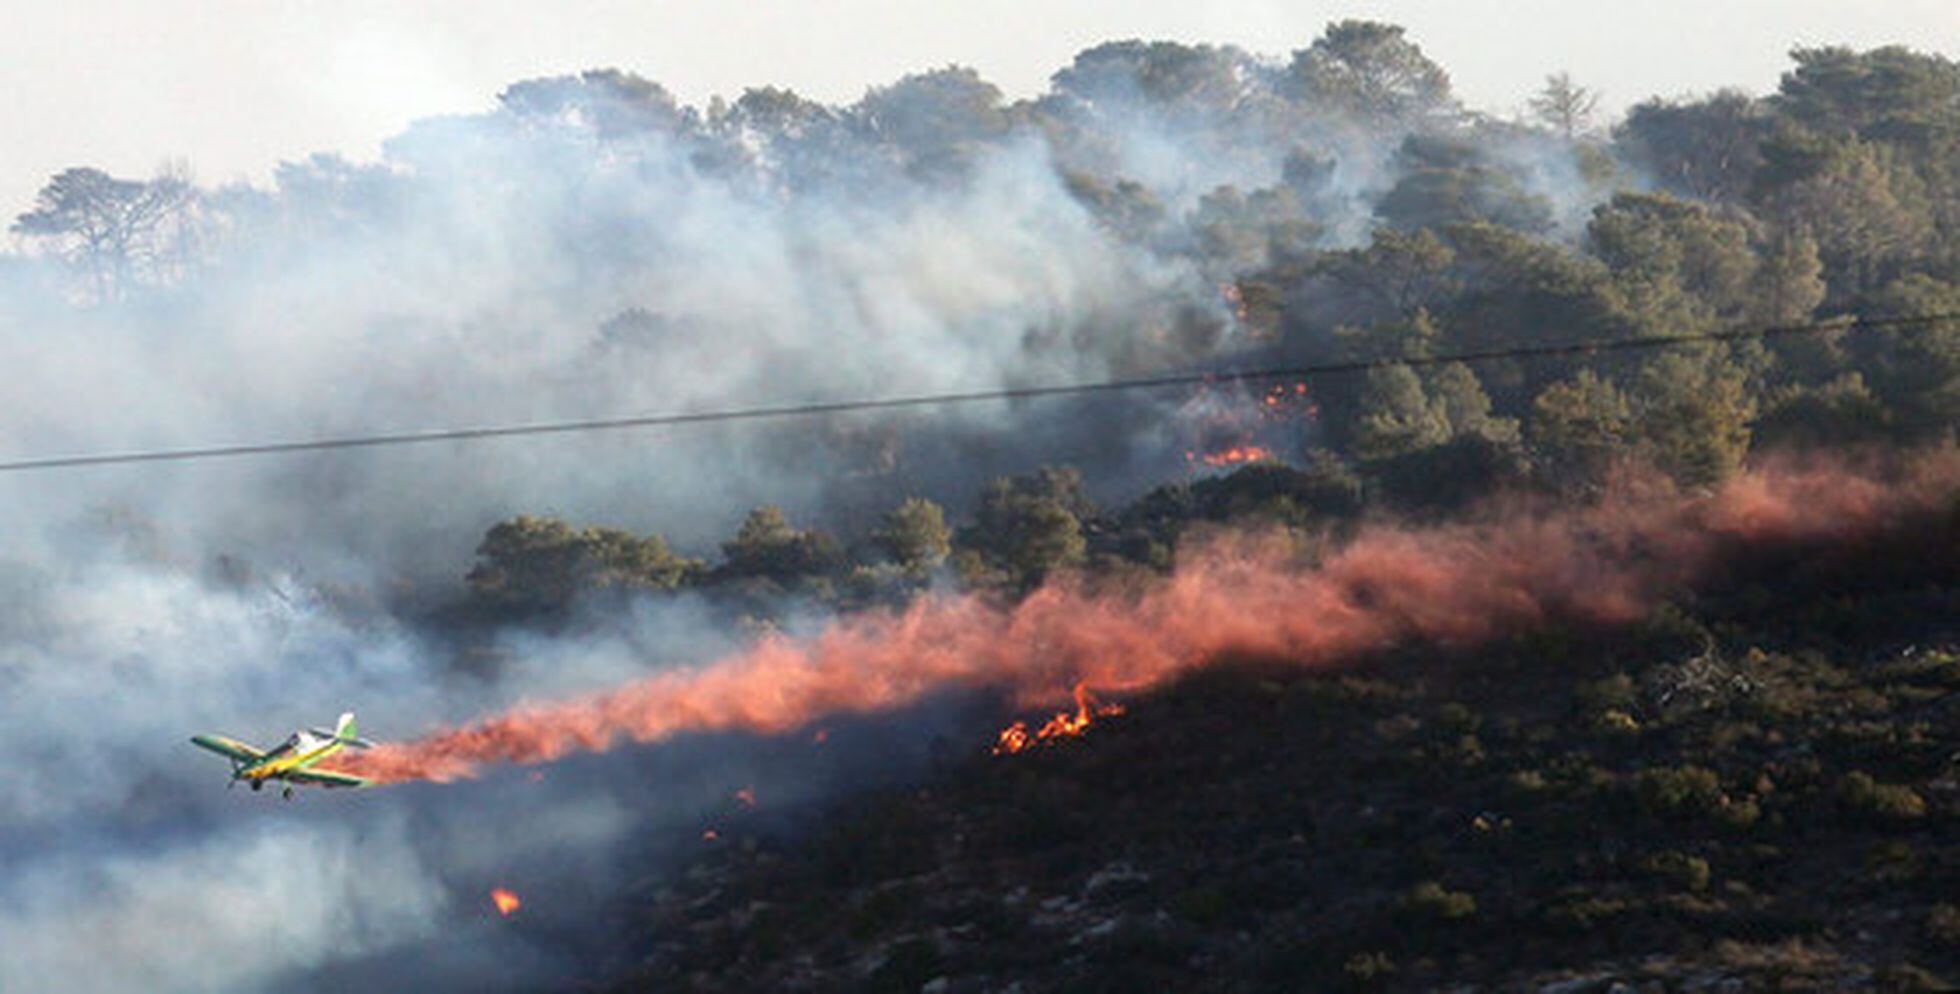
[(824, 408)]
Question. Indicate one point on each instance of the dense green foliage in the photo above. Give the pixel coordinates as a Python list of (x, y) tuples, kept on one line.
[(1367, 212), (528, 565), (1836, 196)]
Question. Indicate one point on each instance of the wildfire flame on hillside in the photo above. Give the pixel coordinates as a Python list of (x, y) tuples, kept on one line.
[(507, 902), (1231, 428), (1065, 724), (1231, 455), (1288, 399), (1496, 573), (1235, 299)]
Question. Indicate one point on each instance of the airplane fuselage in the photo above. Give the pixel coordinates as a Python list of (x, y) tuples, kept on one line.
[(296, 753), (294, 760)]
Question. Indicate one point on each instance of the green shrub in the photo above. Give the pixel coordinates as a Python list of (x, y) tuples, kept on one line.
[(1737, 815), (1529, 781), (1865, 796), (1368, 968), (1680, 870), (1692, 792), (1580, 911), (1466, 750), (1615, 721), (1667, 790), (1430, 900)]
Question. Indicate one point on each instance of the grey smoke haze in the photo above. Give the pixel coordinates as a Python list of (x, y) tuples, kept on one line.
[(474, 305), (294, 895), (124, 864), (465, 282), (592, 248), (589, 248)]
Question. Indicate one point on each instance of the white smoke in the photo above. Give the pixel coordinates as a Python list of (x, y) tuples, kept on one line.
[(225, 913), (503, 268)]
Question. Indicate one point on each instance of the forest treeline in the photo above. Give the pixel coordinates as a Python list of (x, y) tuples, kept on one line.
[(1838, 196), (1336, 204)]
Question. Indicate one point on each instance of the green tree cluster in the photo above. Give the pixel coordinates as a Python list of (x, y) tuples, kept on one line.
[(532, 565), (1025, 528)]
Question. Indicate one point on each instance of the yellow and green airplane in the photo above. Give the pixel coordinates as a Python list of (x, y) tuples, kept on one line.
[(293, 759)]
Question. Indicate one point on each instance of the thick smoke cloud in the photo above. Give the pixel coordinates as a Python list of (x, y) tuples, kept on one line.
[(126, 865), (228, 912), (586, 249), (511, 285), (590, 248)]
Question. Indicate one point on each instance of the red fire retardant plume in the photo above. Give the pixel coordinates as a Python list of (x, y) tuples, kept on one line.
[(1503, 570)]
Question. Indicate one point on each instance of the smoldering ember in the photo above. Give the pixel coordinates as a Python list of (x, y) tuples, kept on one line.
[(1225, 520)]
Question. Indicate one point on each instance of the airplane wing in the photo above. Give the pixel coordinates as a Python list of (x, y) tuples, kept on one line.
[(227, 746), (327, 778)]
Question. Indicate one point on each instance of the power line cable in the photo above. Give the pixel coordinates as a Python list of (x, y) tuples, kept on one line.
[(822, 408)]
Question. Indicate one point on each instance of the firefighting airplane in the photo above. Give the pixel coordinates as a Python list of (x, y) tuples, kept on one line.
[(292, 760)]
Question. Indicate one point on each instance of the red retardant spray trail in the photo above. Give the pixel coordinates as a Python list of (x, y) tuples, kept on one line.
[(1500, 571)]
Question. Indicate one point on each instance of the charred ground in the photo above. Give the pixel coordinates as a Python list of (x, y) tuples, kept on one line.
[(1755, 789)]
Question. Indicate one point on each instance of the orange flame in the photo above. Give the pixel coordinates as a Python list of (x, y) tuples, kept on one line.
[(1235, 299), (1233, 429), (1016, 737), (1013, 738), (1233, 455), (506, 901), (1497, 573), (1281, 399)]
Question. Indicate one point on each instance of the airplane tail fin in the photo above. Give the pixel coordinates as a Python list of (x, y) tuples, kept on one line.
[(346, 731)]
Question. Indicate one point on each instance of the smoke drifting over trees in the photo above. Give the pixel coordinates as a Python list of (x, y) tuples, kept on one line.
[(592, 247)]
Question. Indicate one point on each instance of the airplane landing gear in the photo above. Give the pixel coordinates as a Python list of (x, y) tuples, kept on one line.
[(258, 785), (288, 793)]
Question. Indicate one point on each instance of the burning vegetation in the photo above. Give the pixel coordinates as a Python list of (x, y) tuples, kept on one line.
[(1335, 205), (1227, 425), (1231, 455), (506, 901), (1065, 724)]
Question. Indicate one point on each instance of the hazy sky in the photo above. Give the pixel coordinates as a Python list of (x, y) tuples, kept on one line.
[(235, 86)]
